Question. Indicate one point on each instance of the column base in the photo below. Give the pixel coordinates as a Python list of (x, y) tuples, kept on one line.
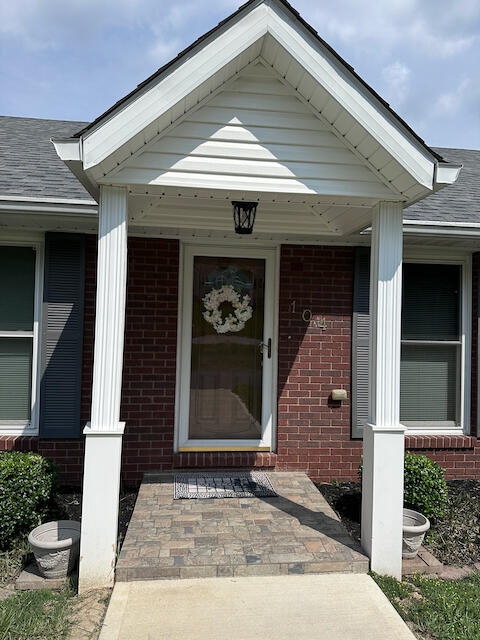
[(382, 497), (101, 487)]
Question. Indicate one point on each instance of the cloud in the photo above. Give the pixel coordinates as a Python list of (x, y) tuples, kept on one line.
[(439, 45), (434, 27), (397, 80), (164, 50), (451, 102)]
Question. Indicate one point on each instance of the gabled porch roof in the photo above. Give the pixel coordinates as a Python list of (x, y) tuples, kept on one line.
[(386, 159)]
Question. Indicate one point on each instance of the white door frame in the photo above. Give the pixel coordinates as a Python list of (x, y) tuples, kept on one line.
[(184, 349)]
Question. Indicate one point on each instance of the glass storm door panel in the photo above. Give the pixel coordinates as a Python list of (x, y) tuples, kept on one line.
[(227, 348)]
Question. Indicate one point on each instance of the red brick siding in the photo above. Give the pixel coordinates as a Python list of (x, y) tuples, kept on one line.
[(313, 432), (149, 371)]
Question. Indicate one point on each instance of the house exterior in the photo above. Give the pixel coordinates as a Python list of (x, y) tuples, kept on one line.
[(139, 332)]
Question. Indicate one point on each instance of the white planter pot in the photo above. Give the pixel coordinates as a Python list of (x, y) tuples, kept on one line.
[(56, 546), (415, 525)]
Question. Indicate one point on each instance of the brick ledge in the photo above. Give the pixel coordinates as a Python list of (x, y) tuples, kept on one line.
[(439, 442)]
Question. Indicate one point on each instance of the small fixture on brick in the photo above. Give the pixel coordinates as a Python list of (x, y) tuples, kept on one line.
[(244, 216), (339, 394)]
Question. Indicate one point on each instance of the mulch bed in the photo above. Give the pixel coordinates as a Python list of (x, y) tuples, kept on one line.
[(70, 507), (454, 539)]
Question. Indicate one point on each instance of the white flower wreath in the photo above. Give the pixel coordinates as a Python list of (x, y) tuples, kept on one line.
[(241, 309)]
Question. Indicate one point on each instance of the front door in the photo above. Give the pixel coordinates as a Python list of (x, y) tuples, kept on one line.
[(226, 390)]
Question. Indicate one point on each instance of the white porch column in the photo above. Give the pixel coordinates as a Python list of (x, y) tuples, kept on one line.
[(103, 435), (383, 439)]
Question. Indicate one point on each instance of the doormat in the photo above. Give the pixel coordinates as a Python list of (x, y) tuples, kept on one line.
[(254, 484)]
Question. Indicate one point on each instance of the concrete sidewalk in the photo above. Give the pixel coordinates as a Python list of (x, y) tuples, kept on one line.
[(295, 607)]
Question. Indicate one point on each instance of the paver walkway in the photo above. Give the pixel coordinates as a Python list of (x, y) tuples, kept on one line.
[(294, 533), (308, 607)]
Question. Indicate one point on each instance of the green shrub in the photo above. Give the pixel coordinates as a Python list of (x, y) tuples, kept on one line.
[(28, 484), (424, 485), (425, 489)]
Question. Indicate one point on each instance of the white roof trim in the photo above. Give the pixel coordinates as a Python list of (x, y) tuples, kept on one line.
[(70, 151), (443, 223), (447, 173), (69, 201), (229, 41), (29, 205)]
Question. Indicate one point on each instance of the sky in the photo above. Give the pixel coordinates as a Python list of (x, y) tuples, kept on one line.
[(72, 59)]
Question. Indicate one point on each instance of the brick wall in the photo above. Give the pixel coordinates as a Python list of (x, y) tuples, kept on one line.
[(313, 431), (148, 394)]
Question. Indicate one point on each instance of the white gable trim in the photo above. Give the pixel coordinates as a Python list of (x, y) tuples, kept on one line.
[(244, 31)]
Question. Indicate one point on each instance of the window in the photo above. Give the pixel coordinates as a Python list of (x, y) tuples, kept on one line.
[(18, 337), (432, 362)]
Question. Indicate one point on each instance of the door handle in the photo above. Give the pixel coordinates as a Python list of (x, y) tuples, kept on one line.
[(267, 346)]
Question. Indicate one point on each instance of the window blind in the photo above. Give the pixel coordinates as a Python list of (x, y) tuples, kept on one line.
[(431, 302), (428, 387), (15, 379)]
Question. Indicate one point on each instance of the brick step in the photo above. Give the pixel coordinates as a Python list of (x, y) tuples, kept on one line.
[(126, 573)]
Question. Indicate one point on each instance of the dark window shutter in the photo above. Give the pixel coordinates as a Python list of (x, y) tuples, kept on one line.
[(360, 338), (62, 335)]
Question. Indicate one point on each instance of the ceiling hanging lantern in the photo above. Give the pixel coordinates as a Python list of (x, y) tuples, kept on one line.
[(244, 216)]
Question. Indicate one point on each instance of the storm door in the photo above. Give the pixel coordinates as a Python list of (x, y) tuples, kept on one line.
[(227, 350)]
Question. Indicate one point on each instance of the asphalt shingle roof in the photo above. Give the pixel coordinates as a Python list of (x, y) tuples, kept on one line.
[(30, 167), (459, 202)]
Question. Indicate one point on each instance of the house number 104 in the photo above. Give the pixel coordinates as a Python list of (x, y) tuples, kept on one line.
[(307, 316)]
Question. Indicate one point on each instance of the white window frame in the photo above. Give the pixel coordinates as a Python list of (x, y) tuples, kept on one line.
[(443, 256), (30, 428)]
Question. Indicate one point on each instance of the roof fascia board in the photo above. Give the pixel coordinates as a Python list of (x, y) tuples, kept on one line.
[(439, 224), (86, 209), (53, 201), (179, 80), (446, 232)]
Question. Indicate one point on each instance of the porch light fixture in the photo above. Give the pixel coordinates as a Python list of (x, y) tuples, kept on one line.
[(244, 216)]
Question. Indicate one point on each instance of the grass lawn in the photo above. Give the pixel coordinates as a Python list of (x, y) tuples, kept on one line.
[(35, 615), (437, 609), (30, 615)]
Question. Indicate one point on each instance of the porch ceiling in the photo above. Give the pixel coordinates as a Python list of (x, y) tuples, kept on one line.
[(207, 212)]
